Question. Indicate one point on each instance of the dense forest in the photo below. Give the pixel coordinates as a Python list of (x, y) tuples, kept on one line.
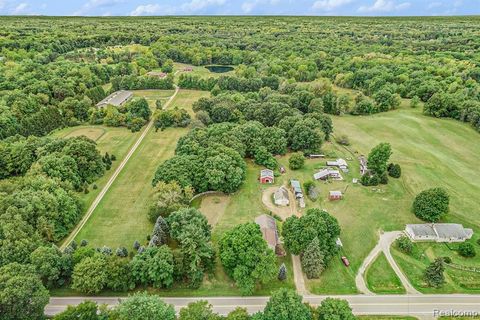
[(290, 76), (53, 70)]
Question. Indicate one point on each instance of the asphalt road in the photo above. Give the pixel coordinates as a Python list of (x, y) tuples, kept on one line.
[(423, 306)]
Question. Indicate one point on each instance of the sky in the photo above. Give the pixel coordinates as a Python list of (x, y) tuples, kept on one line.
[(239, 7)]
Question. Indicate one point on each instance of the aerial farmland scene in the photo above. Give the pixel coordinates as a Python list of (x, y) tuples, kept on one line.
[(239, 160)]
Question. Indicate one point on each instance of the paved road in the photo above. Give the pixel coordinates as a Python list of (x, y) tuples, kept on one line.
[(384, 244), (422, 306), (102, 193)]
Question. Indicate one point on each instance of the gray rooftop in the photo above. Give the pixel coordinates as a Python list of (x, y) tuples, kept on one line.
[(450, 230), (422, 230), (296, 186), (266, 173), (116, 99), (281, 193), (441, 230)]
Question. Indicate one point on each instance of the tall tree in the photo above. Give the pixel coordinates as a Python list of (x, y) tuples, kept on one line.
[(246, 257), (22, 294)]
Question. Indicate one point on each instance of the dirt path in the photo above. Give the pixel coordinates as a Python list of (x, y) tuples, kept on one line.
[(384, 243), (119, 169), (282, 212)]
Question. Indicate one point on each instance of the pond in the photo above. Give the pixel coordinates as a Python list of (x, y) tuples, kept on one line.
[(219, 69)]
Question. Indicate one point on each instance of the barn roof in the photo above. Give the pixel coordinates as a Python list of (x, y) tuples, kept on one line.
[(117, 98), (335, 193), (296, 186), (269, 229), (266, 173)]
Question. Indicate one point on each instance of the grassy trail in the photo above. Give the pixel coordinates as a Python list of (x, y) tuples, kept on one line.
[(121, 217)]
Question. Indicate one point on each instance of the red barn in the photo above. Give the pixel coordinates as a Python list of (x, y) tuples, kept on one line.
[(335, 195), (266, 176)]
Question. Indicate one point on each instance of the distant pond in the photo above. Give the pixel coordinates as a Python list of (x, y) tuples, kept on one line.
[(219, 69)]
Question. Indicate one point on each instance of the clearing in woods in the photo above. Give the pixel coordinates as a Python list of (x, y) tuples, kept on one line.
[(121, 216)]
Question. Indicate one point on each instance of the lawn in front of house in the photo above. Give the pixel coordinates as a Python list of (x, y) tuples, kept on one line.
[(381, 278)]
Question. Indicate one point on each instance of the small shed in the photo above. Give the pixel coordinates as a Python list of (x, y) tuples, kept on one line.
[(363, 165), (266, 176), (280, 197), (188, 69), (268, 227), (335, 195), (321, 175), (297, 189)]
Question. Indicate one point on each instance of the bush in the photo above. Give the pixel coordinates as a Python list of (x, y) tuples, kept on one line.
[(447, 260), (394, 170), (368, 180), (478, 241), (383, 178), (431, 204), (343, 140), (405, 244), (467, 250), (296, 161)]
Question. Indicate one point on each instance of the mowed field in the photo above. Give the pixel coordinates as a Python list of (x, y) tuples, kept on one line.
[(432, 152), (121, 217), (381, 278), (116, 141)]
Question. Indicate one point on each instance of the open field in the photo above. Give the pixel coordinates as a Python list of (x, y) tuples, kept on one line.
[(381, 278), (197, 70), (432, 152), (121, 217), (116, 141), (365, 210), (214, 207)]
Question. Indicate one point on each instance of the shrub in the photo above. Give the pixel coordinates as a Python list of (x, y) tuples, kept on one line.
[(431, 204), (394, 170), (467, 250), (447, 260), (405, 244), (296, 161), (343, 140)]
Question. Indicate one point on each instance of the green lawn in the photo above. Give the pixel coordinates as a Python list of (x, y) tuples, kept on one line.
[(121, 217), (116, 141), (381, 278)]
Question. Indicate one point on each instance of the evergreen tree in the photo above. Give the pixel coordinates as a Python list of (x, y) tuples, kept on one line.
[(312, 260), (434, 273), (282, 272)]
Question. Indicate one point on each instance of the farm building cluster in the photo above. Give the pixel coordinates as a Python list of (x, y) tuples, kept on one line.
[(438, 232)]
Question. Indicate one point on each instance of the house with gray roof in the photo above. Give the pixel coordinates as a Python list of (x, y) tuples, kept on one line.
[(280, 197), (438, 232), (116, 99)]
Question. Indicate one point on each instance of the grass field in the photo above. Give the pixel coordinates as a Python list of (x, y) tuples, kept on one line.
[(382, 279), (121, 217), (432, 152), (116, 141), (197, 70), (422, 145)]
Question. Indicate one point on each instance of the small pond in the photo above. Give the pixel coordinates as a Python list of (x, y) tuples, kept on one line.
[(219, 69)]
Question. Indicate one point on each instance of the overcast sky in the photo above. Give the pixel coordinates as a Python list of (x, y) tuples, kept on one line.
[(240, 7)]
